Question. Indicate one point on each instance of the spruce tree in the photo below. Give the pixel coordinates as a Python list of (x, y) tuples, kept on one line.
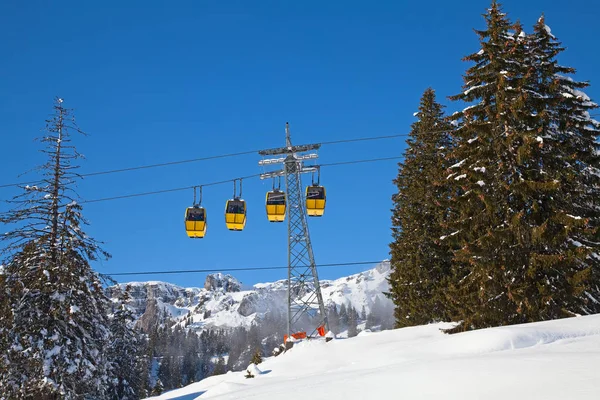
[(55, 320), (482, 202), (257, 357), (220, 367), (343, 315), (126, 352), (559, 189), (420, 261), (524, 212), (158, 388), (352, 322)]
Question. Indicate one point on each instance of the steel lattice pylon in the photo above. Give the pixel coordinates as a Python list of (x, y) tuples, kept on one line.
[(305, 301)]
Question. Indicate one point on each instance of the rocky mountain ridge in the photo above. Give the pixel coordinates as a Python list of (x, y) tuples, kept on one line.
[(222, 304)]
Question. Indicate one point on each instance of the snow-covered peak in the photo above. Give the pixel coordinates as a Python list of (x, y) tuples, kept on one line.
[(225, 282), (222, 304)]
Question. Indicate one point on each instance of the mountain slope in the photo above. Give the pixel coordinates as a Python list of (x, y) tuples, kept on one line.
[(221, 303)]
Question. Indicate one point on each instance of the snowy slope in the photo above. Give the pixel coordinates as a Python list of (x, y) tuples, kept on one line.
[(546, 360)]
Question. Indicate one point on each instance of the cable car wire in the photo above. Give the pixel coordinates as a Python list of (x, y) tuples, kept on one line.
[(224, 181), (379, 137), (167, 190), (189, 271), (165, 164), (169, 163)]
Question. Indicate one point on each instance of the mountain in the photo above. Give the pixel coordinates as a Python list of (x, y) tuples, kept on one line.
[(222, 304)]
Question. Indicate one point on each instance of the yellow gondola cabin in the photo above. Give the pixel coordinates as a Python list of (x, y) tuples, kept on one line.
[(195, 222), (275, 205), (235, 214), (315, 200)]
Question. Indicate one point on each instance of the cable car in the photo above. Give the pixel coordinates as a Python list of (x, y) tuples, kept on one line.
[(315, 200), (235, 214), (195, 222), (275, 204)]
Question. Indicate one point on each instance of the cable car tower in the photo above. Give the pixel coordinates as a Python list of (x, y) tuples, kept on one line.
[(303, 302)]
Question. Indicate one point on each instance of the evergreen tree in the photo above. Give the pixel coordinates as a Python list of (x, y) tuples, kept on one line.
[(191, 363), (220, 366), (524, 191), (352, 322), (55, 325), (126, 352), (257, 357), (558, 194), (420, 261), (334, 319), (343, 315), (481, 205), (165, 373), (158, 388)]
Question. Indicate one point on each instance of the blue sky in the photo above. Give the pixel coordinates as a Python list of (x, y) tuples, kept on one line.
[(154, 82)]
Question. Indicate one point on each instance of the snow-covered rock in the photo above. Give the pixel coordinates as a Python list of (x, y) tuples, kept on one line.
[(217, 281)]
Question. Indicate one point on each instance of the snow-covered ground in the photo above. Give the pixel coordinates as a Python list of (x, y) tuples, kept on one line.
[(546, 360)]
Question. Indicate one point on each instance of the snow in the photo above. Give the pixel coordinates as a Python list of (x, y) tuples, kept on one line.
[(581, 95), (545, 360), (445, 236), (358, 290), (466, 92), (549, 31), (458, 178), (217, 308), (253, 370), (576, 242), (458, 164), (481, 183)]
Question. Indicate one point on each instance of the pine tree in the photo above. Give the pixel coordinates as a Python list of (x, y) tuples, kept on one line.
[(481, 181), (158, 388), (559, 190), (257, 357), (165, 371), (56, 328), (126, 352), (524, 213), (220, 366), (420, 261), (352, 322), (334, 319), (343, 315)]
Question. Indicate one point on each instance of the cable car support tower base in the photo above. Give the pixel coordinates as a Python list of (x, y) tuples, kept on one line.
[(305, 305)]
